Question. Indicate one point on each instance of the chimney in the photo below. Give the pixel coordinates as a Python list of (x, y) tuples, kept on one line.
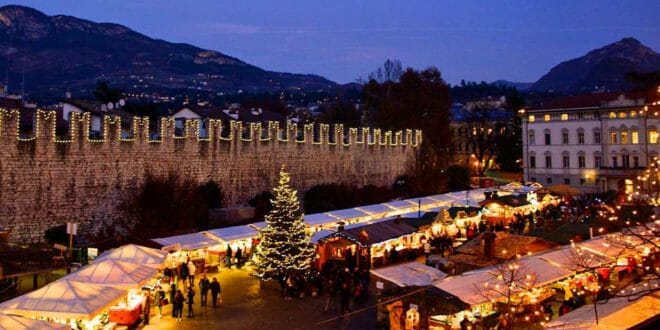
[(340, 226)]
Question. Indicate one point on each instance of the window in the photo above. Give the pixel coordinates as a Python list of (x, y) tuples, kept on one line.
[(596, 137), (624, 137), (582, 181), (567, 181), (532, 161), (625, 161), (564, 116), (532, 138), (580, 115), (633, 114), (612, 115), (531, 118), (581, 162), (547, 139), (623, 115), (612, 137), (548, 162), (548, 180), (546, 118), (598, 162), (634, 137), (564, 137), (615, 164), (580, 137), (566, 162), (653, 136), (635, 162)]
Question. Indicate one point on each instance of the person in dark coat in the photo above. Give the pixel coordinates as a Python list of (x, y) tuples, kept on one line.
[(190, 300), (177, 307), (204, 286), (238, 256), (215, 291), (173, 292)]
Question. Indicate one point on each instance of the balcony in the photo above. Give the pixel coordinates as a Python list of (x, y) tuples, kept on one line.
[(620, 172)]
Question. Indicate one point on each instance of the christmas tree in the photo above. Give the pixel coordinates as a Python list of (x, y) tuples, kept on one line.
[(284, 248)]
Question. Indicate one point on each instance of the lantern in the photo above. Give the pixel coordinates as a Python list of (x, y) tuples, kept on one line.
[(412, 318)]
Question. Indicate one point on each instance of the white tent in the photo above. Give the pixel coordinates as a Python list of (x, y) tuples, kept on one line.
[(114, 273), (409, 274), (64, 299), (20, 323), (228, 234), (617, 313), (187, 241), (135, 254)]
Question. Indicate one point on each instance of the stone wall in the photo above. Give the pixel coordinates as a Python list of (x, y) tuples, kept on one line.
[(47, 180)]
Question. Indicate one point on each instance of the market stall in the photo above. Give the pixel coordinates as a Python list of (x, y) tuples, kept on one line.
[(67, 302), (135, 254), (369, 245), (503, 209), (616, 313), (230, 239), (409, 274), (378, 210), (20, 323)]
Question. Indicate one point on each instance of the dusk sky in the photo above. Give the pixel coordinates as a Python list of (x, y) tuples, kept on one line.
[(343, 40)]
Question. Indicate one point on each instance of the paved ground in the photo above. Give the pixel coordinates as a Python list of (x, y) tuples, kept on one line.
[(246, 306)]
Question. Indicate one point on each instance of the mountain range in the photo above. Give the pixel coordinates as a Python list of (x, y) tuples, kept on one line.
[(50, 55), (59, 53)]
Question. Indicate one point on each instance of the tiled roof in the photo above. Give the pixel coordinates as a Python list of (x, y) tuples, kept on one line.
[(377, 232), (512, 244)]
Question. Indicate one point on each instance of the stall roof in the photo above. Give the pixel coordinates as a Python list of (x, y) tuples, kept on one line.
[(510, 200), (616, 313), (21, 323), (444, 198), (563, 257), (398, 205), (453, 211), (376, 208), (424, 201), (506, 245), (229, 234), (187, 241), (64, 299), (348, 214), (467, 286), (258, 225), (114, 273), (377, 232), (134, 254), (409, 274), (426, 219), (319, 235), (319, 219)]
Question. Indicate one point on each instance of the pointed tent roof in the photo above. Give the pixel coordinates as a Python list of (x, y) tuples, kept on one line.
[(64, 299), (21, 323), (114, 273), (135, 254)]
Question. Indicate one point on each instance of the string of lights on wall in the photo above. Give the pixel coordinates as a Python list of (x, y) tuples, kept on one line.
[(45, 126)]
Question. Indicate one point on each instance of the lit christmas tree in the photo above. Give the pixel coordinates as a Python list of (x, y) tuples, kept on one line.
[(284, 248)]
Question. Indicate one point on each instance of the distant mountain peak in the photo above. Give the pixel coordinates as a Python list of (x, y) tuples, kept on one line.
[(601, 69), (63, 52)]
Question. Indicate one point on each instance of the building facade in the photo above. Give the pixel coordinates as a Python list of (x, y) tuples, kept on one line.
[(593, 142)]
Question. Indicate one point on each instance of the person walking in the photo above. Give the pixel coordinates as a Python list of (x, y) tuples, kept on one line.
[(178, 305), (190, 300), (160, 295), (215, 291), (239, 257), (173, 292), (204, 286), (191, 273)]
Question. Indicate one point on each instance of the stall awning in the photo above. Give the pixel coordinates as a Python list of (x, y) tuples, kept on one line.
[(426, 219), (114, 273), (348, 214), (234, 233), (369, 234), (409, 274), (424, 202), (135, 254), (376, 209), (318, 219), (616, 313), (187, 241), (401, 205), (20, 323), (64, 299), (467, 287)]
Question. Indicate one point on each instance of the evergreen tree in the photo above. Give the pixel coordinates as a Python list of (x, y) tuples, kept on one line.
[(284, 248)]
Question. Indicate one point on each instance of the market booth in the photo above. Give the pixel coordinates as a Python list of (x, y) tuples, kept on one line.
[(502, 209), (409, 274), (20, 323), (369, 245), (67, 302), (135, 254), (122, 275)]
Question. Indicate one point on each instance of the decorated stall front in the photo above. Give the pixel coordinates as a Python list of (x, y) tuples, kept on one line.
[(80, 305), (370, 245), (503, 209)]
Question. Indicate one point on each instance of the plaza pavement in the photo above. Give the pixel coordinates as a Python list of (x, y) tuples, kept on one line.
[(246, 306)]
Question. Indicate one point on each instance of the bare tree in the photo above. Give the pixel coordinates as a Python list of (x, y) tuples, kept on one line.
[(481, 135), (391, 71)]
